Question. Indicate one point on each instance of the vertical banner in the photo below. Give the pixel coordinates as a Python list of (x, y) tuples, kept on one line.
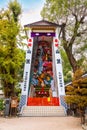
[(59, 71), (27, 68)]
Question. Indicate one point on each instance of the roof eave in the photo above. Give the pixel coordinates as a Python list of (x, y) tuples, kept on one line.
[(36, 24)]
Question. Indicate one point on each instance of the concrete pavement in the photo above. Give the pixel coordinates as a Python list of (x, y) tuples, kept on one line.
[(40, 123)]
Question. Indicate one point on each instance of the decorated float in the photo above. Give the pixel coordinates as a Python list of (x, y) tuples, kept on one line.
[(43, 83)]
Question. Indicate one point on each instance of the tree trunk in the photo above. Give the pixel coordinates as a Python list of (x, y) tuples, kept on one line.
[(68, 46), (82, 117), (9, 90), (71, 58)]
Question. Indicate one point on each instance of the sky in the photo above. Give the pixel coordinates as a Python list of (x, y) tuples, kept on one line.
[(30, 10)]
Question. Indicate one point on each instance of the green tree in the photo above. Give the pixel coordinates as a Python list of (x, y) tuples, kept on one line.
[(11, 57), (67, 70), (77, 93), (70, 15), (15, 9), (1, 105)]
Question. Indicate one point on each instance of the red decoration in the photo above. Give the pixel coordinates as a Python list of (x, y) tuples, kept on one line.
[(56, 40), (47, 63), (39, 101), (56, 45), (29, 40), (29, 44)]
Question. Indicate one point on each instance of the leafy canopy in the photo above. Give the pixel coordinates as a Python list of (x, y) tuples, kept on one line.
[(76, 93), (11, 57), (71, 16)]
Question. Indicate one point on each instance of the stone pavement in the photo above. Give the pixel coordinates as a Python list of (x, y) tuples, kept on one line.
[(40, 123), (84, 127)]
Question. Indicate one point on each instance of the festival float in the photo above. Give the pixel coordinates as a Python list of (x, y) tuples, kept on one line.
[(43, 83)]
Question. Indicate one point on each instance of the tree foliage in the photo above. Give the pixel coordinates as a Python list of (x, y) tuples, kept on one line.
[(67, 70), (71, 17), (11, 57), (1, 104), (76, 93), (15, 8)]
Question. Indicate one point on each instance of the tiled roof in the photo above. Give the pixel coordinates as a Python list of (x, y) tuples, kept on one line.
[(42, 23)]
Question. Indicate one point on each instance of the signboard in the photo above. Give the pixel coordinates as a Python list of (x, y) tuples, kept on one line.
[(14, 102)]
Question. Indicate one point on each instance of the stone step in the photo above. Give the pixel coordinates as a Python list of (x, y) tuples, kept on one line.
[(43, 111)]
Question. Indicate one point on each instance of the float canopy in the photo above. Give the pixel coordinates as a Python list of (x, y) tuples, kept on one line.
[(42, 23), (42, 26)]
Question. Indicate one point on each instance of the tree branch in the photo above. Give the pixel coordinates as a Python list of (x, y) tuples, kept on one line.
[(75, 32), (83, 32)]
